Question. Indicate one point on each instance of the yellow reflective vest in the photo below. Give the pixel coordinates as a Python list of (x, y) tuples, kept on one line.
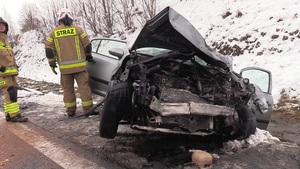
[(7, 58), (68, 44)]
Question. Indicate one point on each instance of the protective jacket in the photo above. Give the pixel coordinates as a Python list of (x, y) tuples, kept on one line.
[(73, 40), (7, 58), (8, 82)]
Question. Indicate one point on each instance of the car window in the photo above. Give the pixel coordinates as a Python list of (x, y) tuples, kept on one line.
[(258, 77), (107, 44), (95, 44)]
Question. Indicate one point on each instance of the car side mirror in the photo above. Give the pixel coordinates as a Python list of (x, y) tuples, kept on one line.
[(118, 52)]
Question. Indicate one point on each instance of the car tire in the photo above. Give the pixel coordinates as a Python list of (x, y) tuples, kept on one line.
[(247, 123), (117, 104)]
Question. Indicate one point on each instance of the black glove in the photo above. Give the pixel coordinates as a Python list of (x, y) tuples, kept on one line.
[(2, 68), (53, 66), (90, 58)]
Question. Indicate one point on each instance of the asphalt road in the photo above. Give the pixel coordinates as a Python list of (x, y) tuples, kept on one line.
[(16, 153), (28, 146)]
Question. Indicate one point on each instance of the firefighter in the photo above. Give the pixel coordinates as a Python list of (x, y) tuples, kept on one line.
[(69, 46), (8, 74)]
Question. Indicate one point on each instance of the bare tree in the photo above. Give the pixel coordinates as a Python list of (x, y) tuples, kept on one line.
[(108, 13), (49, 10), (125, 13), (29, 19), (98, 17), (146, 10), (90, 15), (149, 8)]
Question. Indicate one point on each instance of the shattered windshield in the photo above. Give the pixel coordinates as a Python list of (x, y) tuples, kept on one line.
[(152, 51), (200, 61)]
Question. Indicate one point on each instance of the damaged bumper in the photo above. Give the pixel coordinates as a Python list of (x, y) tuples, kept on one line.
[(190, 108)]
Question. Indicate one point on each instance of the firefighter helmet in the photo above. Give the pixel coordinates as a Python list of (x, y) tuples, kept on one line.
[(5, 23), (63, 13)]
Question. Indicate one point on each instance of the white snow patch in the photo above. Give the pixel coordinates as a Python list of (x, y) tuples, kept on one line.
[(259, 137)]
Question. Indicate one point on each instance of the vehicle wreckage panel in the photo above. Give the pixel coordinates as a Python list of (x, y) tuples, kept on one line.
[(191, 108)]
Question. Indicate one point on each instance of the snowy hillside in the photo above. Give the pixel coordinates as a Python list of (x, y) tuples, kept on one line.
[(31, 58), (262, 33)]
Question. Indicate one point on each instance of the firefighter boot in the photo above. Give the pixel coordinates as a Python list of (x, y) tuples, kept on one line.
[(19, 118), (71, 114), (7, 117), (71, 111)]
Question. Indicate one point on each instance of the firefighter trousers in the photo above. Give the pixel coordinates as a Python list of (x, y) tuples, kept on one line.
[(67, 82), (8, 88)]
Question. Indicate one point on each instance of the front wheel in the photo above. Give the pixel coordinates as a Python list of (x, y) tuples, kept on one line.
[(246, 124), (118, 103)]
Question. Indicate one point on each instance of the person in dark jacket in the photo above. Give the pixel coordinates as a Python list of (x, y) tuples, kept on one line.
[(69, 46), (8, 74)]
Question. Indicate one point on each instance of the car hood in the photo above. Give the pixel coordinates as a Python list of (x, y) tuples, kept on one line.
[(170, 30)]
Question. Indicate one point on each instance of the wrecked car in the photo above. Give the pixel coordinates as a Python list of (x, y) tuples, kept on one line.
[(169, 80)]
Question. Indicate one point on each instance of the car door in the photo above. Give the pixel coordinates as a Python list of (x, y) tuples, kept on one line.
[(101, 71), (263, 78)]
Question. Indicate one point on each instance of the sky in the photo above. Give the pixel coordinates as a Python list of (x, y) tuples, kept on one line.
[(13, 7), (266, 23)]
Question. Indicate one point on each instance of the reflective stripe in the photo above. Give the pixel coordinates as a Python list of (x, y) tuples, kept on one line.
[(5, 47), (2, 83), (83, 35), (64, 32), (5, 107), (77, 43), (12, 108), (49, 39), (70, 104), (71, 61), (87, 103), (51, 60), (68, 66), (10, 70), (57, 50)]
